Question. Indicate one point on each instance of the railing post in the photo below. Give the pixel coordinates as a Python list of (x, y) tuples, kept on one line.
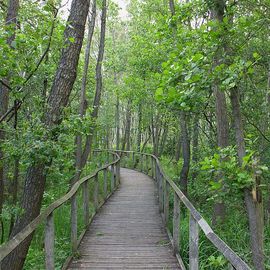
[(96, 192), (49, 243), (193, 244), (105, 186), (166, 202), (74, 223), (141, 162), (146, 164), (86, 202), (118, 172), (112, 178), (160, 192), (176, 223), (133, 160), (152, 167)]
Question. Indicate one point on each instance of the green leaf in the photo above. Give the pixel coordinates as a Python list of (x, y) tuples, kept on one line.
[(71, 39)]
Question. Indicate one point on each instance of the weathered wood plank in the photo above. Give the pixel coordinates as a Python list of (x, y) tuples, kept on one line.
[(128, 232), (176, 224), (96, 192), (86, 202), (105, 184), (49, 243), (74, 223), (166, 202), (193, 244)]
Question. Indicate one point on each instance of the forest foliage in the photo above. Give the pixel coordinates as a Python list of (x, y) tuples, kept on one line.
[(188, 81)]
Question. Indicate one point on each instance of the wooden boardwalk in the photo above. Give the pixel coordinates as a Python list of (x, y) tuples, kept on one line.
[(128, 232)]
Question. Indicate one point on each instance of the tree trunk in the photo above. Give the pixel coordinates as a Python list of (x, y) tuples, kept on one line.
[(178, 140), (117, 119), (58, 99), (253, 205), (221, 112), (99, 84), (195, 145), (11, 19), (83, 101), (139, 134), (186, 153), (126, 141), (163, 139)]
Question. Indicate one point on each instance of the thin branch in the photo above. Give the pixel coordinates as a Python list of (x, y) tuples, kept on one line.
[(257, 128), (12, 109)]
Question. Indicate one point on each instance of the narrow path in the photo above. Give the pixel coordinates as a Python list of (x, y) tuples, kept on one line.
[(128, 232)]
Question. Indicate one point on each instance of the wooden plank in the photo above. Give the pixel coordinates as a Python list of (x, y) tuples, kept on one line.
[(193, 244), (176, 224), (127, 232), (166, 202), (74, 223), (49, 243), (112, 178), (86, 203), (96, 188), (105, 184)]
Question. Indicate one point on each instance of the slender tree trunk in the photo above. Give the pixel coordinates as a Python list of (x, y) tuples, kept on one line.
[(253, 205), (155, 131), (195, 145), (186, 153), (83, 101), (15, 182), (11, 20), (221, 111), (117, 120), (178, 149), (139, 134), (126, 141), (163, 139), (58, 99), (99, 84)]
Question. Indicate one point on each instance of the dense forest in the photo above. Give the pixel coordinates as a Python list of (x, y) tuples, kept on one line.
[(185, 80)]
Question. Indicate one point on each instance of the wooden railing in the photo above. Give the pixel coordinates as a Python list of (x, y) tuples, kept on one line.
[(150, 165), (47, 215)]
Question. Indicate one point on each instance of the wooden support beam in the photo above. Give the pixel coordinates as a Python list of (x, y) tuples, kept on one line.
[(105, 184), (193, 244), (49, 243), (96, 192), (112, 178), (74, 223), (166, 202), (133, 160), (152, 168), (86, 202), (176, 224)]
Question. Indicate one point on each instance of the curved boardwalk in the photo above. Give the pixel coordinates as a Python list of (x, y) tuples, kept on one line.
[(128, 232)]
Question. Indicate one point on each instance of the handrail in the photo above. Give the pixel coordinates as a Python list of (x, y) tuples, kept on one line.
[(196, 220), (46, 215)]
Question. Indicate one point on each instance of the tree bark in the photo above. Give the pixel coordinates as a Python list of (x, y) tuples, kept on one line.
[(253, 206), (221, 111), (126, 140), (99, 85), (178, 140), (117, 119), (58, 99), (139, 134), (83, 101), (11, 20), (186, 153)]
